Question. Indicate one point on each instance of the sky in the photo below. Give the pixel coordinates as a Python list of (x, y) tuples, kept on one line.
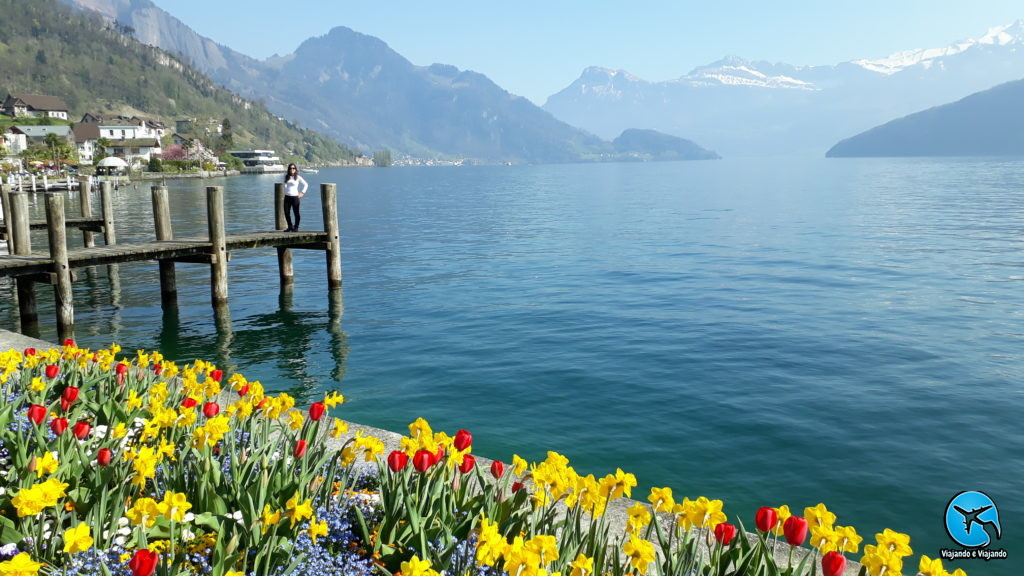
[(535, 49)]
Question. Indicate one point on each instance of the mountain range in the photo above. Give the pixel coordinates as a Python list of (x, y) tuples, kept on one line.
[(742, 107), (358, 90)]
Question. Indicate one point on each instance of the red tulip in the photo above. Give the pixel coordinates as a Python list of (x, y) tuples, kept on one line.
[(468, 462), (211, 409), (189, 402), (30, 351), (300, 448), (59, 425), (437, 456), (422, 460), (462, 440), (316, 411), (36, 413), (397, 460), (70, 394), (104, 456), (833, 564), (243, 390), (143, 563), (497, 468), (121, 368), (64, 405), (516, 487), (158, 368), (52, 370), (81, 430), (795, 529), (69, 342), (724, 533), (216, 375), (766, 518)]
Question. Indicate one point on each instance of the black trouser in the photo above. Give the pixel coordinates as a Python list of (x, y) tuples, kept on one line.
[(292, 203)]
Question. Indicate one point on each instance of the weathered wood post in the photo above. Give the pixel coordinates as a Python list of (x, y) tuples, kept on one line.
[(85, 201), (285, 265), (62, 289), (107, 197), (5, 207), (162, 220), (21, 240), (219, 254), (329, 197)]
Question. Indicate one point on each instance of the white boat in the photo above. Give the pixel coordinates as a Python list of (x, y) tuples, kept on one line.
[(310, 171), (258, 161)]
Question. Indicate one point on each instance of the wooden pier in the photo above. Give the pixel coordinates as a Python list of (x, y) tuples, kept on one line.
[(56, 266)]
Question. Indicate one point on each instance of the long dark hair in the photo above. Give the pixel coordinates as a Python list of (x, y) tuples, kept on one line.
[(288, 172)]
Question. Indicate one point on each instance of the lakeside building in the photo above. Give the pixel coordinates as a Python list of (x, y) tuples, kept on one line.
[(34, 106), (258, 161)]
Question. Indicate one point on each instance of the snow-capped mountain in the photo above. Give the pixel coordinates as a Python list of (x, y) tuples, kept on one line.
[(742, 107)]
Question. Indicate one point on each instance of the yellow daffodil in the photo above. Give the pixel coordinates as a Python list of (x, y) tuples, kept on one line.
[(416, 567), (269, 518), (46, 464), (20, 565), (175, 505), (37, 385), (77, 539), (819, 515), (879, 560), (896, 542), (32, 500), (332, 399), (340, 427), (582, 566), (847, 539), (297, 510), (639, 518), (295, 419), (144, 512), (931, 567), (317, 528), (661, 499), (519, 465), (490, 544), (640, 553), (782, 513)]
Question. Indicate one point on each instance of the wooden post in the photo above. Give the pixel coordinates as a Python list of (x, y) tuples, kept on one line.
[(107, 197), (85, 201), (285, 266), (219, 255), (21, 239), (5, 207), (329, 197), (162, 220), (62, 290)]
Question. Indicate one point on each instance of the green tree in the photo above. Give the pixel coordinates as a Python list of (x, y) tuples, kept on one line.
[(382, 158)]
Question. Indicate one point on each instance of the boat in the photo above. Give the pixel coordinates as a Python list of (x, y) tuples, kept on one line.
[(310, 171), (258, 161)]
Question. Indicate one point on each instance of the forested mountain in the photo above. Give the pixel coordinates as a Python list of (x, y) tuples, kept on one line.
[(988, 123), (49, 48), (653, 145)]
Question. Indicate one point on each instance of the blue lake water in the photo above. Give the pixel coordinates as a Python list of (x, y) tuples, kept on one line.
[(762, 331)]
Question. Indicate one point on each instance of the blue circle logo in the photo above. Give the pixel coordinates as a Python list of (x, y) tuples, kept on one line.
[(972, 519)]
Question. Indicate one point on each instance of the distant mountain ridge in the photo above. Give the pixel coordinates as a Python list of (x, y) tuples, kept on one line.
[(742, 107), (355, 88), (987, 123)]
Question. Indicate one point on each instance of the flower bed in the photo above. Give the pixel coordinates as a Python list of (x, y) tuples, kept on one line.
[(121, 465)]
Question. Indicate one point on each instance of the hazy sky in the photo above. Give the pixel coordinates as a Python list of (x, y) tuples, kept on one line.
[(535, 49)]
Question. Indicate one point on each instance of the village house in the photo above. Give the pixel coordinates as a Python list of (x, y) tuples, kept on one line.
[(34, 106), (135, 140)]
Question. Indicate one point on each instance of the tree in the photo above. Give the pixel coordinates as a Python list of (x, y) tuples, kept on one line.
[(382, 158)]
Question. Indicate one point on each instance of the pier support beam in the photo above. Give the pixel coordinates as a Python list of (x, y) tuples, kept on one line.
[(329, 198), (62, 289), (20, 238), (85, 201), (162, 220), (5, 208), (285, 266), (219, 251), (107, 198)]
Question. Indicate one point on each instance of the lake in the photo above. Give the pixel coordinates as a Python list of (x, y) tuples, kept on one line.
[(786, 331)]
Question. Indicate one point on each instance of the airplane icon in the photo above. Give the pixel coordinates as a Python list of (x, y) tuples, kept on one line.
[(971, 517)]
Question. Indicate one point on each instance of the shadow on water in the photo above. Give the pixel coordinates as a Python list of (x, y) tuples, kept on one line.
[(285, 338)]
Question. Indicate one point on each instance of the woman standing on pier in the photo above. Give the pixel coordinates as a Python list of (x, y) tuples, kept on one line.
[(294, 189)]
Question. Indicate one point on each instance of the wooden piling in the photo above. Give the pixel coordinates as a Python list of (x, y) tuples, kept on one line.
[(285, 265), (219, 251), (5, 207), (107, 198), (85, 201), (20, 238), (329, 198), (62, 289), (162, 221)]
